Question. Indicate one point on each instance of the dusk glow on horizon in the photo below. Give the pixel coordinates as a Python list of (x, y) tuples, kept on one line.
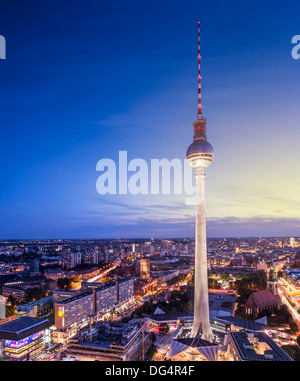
[(85, 80)]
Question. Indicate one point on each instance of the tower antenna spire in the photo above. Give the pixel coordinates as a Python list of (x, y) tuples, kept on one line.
[(199, 115)]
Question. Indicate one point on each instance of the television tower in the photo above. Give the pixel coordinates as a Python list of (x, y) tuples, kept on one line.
[(200, 154)]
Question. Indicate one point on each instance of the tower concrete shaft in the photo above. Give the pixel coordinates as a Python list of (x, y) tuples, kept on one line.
[(201, 302)]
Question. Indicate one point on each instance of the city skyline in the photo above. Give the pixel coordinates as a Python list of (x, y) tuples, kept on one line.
[(77, 292), (102, 81)]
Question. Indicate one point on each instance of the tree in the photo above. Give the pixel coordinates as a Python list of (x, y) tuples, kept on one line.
[(281, 317), (64, 283), (244, 294), (76, 278), (293, 351), (213, 283), (12, 300), (10, 310), (164, 328), (153, 337), (34, 293), (151, 351), (239, 276), (255, 280), (293, 327), (224, 275)]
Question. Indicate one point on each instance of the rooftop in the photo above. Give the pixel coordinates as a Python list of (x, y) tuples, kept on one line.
[(113, 334), (240, 323), (293, 274), (248, 352), (76, 297), (262, 298), (20, 328)]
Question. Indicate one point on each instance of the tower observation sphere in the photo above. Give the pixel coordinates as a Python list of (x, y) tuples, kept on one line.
[(200, 154)]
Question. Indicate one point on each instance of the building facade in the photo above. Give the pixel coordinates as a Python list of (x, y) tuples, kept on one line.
[(114, 342), (125, 290), (38, 308), (24, 338), (145, 268)]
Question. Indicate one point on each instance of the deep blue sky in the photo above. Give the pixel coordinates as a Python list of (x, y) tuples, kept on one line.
[(86, 79)]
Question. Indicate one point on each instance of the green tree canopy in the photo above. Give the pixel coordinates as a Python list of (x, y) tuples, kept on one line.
[(34, 293), (64, 283)]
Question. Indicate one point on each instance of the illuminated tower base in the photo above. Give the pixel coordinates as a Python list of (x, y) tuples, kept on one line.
[(201, 302)]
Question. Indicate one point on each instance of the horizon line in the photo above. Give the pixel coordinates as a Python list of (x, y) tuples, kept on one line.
[(137, 238)]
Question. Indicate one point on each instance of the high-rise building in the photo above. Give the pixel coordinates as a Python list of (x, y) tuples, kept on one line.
[(70, 313), (90, 257), (74, 311), (200, 155), (34, 266), (125, 289), (2, 307), (67, 259), (292, 241), (70, 259), (77, 258), (145, 268), (106, 297)]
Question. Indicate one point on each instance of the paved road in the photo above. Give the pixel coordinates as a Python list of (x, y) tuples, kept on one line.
[(292, 310), (10, 318)]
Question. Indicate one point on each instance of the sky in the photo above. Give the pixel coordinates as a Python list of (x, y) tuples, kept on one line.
[(84, 80)]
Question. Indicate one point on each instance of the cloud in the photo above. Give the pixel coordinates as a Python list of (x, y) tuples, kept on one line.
[(159, 215), (253, 226)]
